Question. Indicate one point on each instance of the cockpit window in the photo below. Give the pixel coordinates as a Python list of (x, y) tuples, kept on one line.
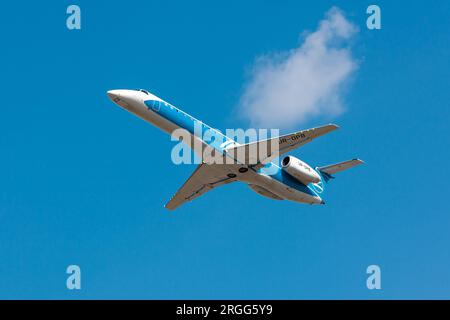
[(142, 90)]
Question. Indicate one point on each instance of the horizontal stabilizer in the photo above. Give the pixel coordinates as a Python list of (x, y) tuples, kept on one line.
[(341, 166)]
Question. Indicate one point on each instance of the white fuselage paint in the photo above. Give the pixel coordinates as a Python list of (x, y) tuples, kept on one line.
[(133, 101)]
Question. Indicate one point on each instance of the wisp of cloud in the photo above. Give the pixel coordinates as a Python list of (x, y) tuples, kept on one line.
[(289, 88)]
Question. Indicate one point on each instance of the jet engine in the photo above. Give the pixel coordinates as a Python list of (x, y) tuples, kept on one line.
[(300, 170)]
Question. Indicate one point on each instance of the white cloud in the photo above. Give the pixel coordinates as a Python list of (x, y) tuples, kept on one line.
[(289, 88)]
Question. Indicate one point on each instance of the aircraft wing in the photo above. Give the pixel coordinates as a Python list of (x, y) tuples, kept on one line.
[(250, 153), (205, 177)]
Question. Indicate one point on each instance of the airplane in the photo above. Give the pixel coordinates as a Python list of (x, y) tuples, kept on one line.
[(294, 180)]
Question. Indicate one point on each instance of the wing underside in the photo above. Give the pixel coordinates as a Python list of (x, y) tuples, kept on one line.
[(261, 152), (205, 177)]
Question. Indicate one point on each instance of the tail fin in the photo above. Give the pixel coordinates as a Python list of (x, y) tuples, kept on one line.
[(328, 171)]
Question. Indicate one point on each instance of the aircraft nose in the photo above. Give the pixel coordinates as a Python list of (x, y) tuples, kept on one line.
[(114, 95), (124, 97)]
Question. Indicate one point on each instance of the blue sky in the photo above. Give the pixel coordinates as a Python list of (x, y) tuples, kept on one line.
[(83, 182)]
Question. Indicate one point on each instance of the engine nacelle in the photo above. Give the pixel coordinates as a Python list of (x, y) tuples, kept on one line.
[(300, 170)]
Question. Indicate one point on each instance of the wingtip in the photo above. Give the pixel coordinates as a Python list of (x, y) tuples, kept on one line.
[(335, 126), (168, 207)]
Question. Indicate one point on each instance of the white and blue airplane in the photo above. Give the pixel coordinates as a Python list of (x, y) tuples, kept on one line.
[(295, 180)]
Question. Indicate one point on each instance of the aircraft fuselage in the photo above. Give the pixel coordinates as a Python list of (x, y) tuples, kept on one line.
[(276, 185)]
